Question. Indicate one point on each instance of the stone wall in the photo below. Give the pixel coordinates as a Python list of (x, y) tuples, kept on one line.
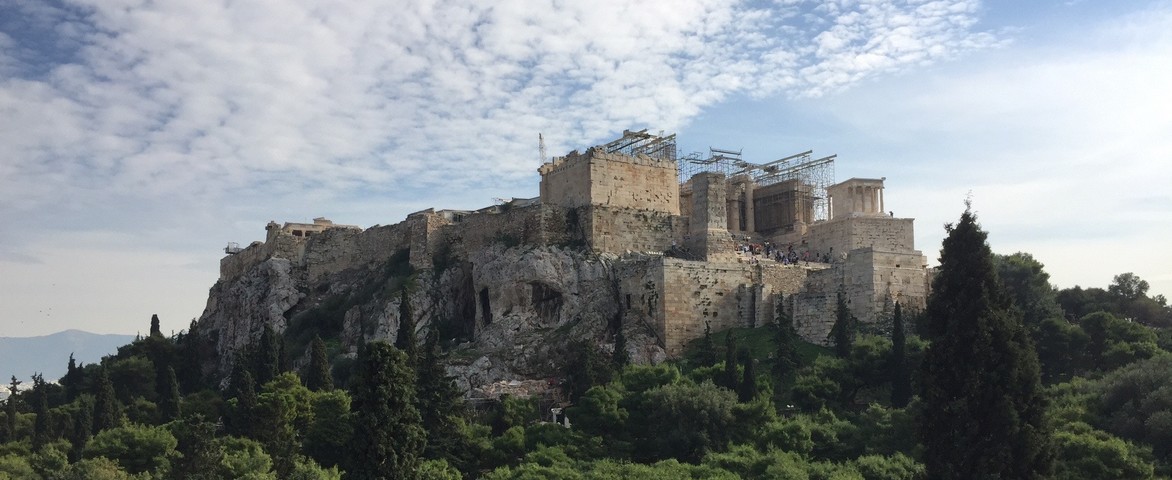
[(611, 179), (848, 233), (620, 230)]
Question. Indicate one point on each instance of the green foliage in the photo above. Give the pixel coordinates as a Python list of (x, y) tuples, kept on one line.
[(16, 467), (1135, 403), (306, 469), (328, 434), (100, 468), (388, 438), (584, 367), (440, 403), (281, 414), (686, 421), (243, 458), (169, 405), (1086, 453), (983, 404), (106, 413), (136, 448), (901, 375), (895, 467), (1028, 286), (318, 376), (844, 328), (405, 338), (132, 377)]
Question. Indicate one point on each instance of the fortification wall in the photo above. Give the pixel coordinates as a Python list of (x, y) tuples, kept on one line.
[(611, 179), (283, 246), (532, 225), (618, 230), (848, 233), (336, 250)]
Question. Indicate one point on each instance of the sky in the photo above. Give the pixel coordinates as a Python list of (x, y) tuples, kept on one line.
[(139, 137)]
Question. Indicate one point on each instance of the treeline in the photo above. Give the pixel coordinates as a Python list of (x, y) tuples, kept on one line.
[(1002, 376)]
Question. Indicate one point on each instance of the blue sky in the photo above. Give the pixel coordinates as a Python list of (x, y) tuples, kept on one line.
[(138, 137)]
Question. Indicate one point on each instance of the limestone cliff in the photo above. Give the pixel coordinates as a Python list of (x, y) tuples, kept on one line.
[(504, 313)]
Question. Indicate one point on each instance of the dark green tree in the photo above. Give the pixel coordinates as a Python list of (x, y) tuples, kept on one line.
[(169, 396), (730, 379), (265, 356), (40, 400), (405, 339), (106, 413), (73, 380), (785, 339), (747, 390), (244, 389), (984, 409), (440, 403), (10, 410), (585, 367), (318, 377), (707, 354), (1028, 286), (388, 437), (82, 423), (901, 377), (155, 330), (191, 359), (843, 331)]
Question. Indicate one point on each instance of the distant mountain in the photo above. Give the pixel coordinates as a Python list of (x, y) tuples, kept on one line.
[(49, 355)]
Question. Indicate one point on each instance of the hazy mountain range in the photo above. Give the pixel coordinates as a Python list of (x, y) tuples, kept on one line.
[(49, 354)]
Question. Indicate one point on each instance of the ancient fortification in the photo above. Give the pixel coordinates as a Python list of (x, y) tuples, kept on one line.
[(692, 241)]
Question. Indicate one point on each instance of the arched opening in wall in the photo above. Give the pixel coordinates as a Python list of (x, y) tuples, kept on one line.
[(547, 301), (485, 308)]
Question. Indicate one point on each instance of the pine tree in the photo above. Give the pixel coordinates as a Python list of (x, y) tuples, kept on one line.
[(82, 423), (440, 403), (190, 359), (388, 437), (105, 403), (169, 396), (901, 381), (747, 390), (983, 404), (318, 377), (729, 380), (405, 339), (843, 330)]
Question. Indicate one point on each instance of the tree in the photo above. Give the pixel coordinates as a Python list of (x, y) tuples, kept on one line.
[(318, 378), (620, 358), (10, 409), (843, 331), (388, 436), (440, 403), (265, 356), (729, 378), (82, 423), (41, 409), (73, 379), (901, 378), (169, 396), (747, 390), (983, 405), (785, 339), (1028, 286), (136, 448), (156, 332), (405, 339), (106, 414), (707, 354)]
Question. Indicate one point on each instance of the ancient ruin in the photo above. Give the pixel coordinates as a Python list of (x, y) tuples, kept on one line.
[(693, 240)]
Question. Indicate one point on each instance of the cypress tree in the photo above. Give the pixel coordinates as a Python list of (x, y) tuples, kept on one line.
[(405, 339), (190, 359), (388, 438), (707, 355), (901, 381), (620, 357), (265, 356), (41, 409), (983, 405), (439, 401), (318, 377), (169, 396), (105, 403), (843, 330), (72, 380), (747, 390), (10, 410), (785, 339), (244, 389), (81, 427), (155, 330), (729, 380)]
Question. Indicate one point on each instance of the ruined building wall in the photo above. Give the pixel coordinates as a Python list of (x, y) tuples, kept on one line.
[(611, 179), (849, 233)]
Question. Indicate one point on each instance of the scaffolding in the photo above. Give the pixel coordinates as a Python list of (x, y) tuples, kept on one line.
[(818, 173), (642, 143)]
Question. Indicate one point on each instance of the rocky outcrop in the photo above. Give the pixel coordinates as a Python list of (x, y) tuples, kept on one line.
[(506, 313)]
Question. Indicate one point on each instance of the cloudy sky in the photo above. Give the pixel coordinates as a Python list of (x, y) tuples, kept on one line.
[(139, 137)]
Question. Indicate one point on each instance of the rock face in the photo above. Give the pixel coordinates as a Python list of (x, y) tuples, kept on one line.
[(505, 313)]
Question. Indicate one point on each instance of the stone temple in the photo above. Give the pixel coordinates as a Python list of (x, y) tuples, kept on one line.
[(698, 240)]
